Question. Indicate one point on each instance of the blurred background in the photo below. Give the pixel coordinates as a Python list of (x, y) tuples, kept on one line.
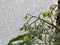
[(11, 12)]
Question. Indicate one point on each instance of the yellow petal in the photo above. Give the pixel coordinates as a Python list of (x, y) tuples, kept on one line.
[(25, 17), (44, 14), (27, 29), (49, 14), (26, 38), (42, 23)]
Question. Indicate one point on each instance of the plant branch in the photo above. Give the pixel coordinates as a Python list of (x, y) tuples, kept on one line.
[(45, 22)]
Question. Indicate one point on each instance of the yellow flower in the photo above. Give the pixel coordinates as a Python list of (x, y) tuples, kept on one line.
[(42, 23), (27, 29), (44, 14), (25, 17), (36, 37), (26, 38), (47, 14)]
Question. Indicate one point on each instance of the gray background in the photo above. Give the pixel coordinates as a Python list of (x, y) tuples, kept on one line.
[(11, 12)]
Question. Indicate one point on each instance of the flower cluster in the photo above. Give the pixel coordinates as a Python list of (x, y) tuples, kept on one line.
[(47, 14)]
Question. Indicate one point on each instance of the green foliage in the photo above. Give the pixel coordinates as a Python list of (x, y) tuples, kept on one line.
[(15, 39), (40, 31)]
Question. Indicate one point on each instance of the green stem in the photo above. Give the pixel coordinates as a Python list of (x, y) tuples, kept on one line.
[(34, 21), (45, 21), (29, 19)]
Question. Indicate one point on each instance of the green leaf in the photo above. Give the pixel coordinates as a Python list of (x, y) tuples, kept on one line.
[(29, 43), (16, 39)]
